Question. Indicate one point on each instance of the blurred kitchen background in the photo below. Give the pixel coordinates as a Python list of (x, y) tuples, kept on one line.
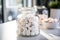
[(9, 8)]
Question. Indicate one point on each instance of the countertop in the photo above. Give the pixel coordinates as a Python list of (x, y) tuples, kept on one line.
[(8, 32)]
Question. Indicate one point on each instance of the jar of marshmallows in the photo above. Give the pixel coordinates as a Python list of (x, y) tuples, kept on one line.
[(27, 22)]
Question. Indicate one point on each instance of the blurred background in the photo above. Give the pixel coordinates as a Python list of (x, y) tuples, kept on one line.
[(9, 8)]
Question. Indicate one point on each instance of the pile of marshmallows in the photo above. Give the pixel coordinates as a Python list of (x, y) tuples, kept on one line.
[(45, 21), (27, 24)]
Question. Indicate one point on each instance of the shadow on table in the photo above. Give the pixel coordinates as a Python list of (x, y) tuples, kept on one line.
[(39, 37)]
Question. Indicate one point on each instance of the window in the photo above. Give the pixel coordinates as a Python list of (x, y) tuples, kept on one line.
[(10, 9)]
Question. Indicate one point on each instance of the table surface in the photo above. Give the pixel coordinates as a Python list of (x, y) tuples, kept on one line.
[(8, 32)]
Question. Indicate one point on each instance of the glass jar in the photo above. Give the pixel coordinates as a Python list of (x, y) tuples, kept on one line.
[(28, 22)]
